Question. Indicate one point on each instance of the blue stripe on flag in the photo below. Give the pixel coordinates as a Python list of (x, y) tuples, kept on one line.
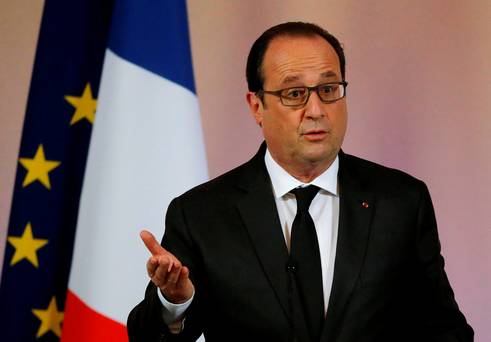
[(154, 35)]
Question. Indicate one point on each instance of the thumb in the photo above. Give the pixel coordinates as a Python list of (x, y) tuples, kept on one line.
[(151, 243)]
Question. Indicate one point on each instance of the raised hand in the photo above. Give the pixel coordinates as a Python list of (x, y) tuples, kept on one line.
[(167, 272)]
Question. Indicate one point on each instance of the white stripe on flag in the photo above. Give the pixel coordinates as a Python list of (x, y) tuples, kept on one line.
[(146, 148)]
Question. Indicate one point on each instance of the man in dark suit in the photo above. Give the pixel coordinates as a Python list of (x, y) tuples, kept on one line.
[(246, 257)]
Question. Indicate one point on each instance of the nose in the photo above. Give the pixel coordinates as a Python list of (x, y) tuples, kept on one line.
[(314, 108)]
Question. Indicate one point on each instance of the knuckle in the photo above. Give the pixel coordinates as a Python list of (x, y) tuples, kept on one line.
[(156, 279), (169, 280)]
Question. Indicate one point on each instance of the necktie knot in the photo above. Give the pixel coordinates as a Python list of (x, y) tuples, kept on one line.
[(305, 196)]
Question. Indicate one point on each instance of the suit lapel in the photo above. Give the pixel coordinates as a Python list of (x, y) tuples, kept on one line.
[(260, 216), (259, 213), (356, 208)]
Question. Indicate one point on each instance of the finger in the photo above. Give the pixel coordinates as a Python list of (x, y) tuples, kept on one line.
[(183, 277), (184, 273), (151, 243), (162, 271), (152, 265), (173, 275)]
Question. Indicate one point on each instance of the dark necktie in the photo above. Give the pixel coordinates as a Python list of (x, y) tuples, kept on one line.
[(305, 256)]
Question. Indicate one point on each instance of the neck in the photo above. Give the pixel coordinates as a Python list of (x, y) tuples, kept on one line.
[(307, 173)]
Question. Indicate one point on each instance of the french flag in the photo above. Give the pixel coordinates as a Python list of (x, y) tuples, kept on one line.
[(146, 148)]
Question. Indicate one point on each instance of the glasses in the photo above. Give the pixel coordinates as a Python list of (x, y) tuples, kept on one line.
[(298, 96)]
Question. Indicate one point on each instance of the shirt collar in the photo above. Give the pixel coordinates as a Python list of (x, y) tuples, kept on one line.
[(283, 182)]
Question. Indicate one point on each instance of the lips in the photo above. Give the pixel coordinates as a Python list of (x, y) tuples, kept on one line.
[(314, 135)]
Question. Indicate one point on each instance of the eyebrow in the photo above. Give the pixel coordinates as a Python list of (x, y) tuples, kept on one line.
[(329, 74), (290, 79), (294, 78)]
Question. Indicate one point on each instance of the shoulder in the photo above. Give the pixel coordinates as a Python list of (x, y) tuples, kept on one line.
[(236, 180), (375, 177), (372, 169), (231, 185), (228, 181), (213, 202)]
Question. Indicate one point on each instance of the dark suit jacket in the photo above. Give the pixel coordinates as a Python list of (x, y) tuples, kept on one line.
[(389, 281)]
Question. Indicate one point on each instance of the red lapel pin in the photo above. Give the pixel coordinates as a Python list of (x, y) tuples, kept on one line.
[(365, 205)]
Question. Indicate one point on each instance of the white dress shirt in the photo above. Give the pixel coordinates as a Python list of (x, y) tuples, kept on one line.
[(324, 210)]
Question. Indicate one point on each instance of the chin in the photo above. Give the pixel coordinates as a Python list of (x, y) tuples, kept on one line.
[(320, 155)]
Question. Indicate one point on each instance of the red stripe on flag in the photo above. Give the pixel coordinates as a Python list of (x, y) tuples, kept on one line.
[(83, 324)]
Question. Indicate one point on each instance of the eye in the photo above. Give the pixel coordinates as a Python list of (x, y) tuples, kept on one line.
[(294, 93), (328, 88)]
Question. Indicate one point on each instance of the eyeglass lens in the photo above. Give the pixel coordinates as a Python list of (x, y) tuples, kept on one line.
[(300, 95)]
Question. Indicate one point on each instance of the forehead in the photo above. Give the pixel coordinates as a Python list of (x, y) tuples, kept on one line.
[(293, 60)]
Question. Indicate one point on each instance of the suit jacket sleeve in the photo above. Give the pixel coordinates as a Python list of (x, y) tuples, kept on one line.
[(441, 316), (145, 322)]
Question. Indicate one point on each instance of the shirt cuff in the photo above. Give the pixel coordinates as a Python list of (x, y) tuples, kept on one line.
[(171, 312)]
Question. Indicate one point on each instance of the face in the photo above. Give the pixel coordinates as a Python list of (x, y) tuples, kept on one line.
[(308, 136)]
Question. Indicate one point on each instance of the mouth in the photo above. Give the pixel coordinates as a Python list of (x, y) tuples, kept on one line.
[(314, 135)]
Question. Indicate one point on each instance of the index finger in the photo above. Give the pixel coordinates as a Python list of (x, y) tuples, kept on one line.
[(151, 243)]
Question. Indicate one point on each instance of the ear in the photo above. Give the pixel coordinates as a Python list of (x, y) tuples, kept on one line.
[(255, 106)]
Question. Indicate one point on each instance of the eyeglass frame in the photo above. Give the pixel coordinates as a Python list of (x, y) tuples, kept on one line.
[(309, 89)]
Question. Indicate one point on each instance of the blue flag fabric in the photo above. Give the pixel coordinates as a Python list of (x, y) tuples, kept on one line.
[(154, 35), (53, 151)]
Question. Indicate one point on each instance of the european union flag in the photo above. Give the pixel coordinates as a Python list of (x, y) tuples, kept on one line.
[(58, 122)]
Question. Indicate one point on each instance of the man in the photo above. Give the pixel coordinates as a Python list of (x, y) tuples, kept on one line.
[(259, 255)]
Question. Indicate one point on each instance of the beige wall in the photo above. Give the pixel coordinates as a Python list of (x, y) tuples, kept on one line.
[(19, 27), (419, 99)]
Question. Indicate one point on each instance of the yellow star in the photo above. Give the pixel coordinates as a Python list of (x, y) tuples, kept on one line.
[(85, 106), (38, 168), (26, 246), (50, 319)]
